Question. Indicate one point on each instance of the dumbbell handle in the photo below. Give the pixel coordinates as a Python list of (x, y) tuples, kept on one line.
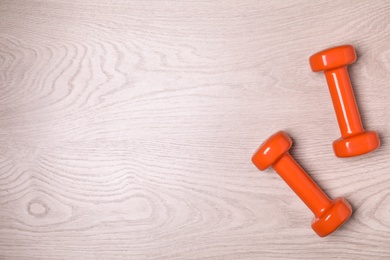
[(344, 102), (292, 173)]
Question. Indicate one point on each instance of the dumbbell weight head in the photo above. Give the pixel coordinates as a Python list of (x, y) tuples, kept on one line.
[(336, 215), (356, 145), (271, 150), (333, 58)]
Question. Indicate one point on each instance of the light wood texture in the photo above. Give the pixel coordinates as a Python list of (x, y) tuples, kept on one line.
[(127, 128)]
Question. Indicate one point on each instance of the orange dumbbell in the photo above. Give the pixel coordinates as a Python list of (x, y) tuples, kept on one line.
[(329, 214), (354, 139)]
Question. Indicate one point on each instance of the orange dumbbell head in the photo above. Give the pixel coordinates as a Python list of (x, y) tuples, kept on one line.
[(337, 214), (333, 58), (354, 139), (271, 150), (356, 145)]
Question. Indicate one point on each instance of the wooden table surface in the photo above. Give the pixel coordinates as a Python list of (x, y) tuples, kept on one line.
[(127, 128)]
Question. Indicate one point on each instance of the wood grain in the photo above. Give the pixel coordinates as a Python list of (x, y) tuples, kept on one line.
[(127, 128)]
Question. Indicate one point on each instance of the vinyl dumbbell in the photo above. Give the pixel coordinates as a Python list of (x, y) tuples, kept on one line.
[(354, 139), (329, 214)]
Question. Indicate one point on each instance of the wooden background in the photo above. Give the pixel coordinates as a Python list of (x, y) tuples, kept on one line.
[(127, 128)]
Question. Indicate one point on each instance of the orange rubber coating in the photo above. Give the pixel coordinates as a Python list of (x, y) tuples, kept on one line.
[(354, 139), (329, 214)]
